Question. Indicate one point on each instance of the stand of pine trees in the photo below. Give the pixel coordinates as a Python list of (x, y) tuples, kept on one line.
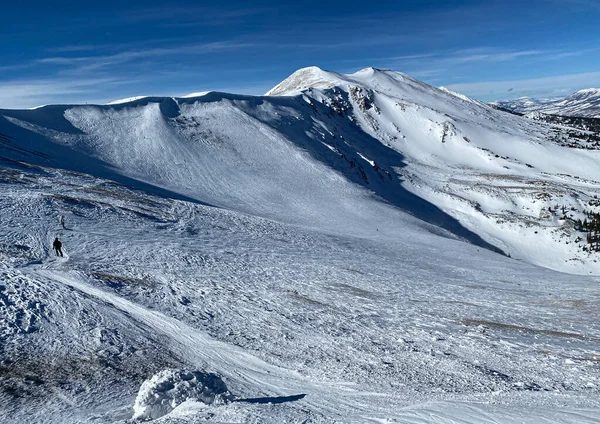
[(591, 226)]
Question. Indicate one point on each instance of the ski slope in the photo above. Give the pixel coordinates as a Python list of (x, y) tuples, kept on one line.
[(326, 271), (369, 329)]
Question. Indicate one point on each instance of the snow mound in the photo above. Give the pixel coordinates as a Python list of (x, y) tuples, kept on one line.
[(170, 388)]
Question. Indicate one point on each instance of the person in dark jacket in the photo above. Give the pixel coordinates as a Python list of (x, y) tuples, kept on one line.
[(57, 247)]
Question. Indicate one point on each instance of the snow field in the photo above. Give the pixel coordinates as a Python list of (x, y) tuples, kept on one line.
[(277, 310)]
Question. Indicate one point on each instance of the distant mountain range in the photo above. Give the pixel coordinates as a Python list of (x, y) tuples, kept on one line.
[(584, 103)]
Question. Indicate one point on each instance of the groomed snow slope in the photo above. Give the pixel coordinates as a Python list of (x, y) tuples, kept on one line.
[(422, 328)]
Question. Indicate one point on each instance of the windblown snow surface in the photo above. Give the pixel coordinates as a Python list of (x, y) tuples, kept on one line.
[(330, 252)]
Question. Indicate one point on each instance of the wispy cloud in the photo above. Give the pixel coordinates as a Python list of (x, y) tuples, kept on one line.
[(120, 46), (78, 64), (77, 75), (425, 73), (446, 59), (128, 55), (193, 15), (17, 67), (482, 55), (29, 93), (460, 62), (75, 48), (496, 90)]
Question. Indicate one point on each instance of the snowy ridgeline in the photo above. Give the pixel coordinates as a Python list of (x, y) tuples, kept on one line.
[(324, 254)]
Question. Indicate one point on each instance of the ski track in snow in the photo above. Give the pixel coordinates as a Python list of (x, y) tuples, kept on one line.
[(279, 311), (235, 364)]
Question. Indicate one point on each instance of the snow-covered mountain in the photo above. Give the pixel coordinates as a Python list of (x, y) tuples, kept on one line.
[(328, 252), (583, 103), (453, 158), (439, 156), (524, 105)]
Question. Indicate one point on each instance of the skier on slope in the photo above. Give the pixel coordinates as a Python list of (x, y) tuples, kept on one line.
[(57, 247), (61, 221)]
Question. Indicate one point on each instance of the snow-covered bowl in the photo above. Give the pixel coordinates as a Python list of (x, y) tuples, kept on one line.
[(168, 389)]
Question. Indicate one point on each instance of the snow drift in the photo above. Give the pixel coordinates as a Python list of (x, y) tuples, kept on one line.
[(170, 388)]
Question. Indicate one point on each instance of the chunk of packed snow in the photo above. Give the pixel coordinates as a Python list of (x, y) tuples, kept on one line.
[(170, 388)]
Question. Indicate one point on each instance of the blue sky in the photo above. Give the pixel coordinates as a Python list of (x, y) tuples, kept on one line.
[(70, 52)]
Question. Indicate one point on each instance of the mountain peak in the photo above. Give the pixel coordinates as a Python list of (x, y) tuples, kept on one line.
[(589, 90), (304, 78), (371, 71), (315, 77), (586, 93)]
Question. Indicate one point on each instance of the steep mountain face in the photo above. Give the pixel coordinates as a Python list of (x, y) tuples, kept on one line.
[(513, 182), (320, 150), (322, 254), (583, 103)]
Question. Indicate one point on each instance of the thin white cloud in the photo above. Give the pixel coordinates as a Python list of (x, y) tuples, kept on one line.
[(424, 73), (84, 77), (540, 86), (446, 59), (185, 15), (74, 48), (432, 66), (20, 66), (119, 46), (30, 93), (481, 55), (132, 55)]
